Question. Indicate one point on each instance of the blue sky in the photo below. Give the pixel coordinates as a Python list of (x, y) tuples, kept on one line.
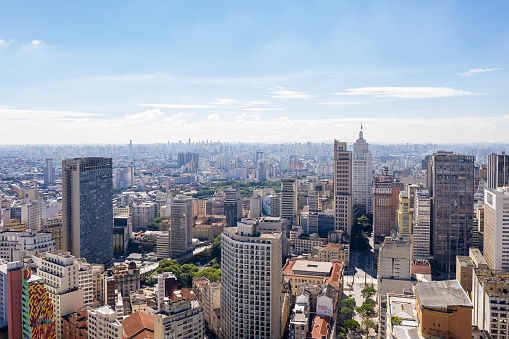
[(265, 71)]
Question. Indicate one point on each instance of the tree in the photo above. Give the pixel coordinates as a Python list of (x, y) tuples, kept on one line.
[(347, 312), (368, 292), (348, 302), (367, 324), (351, 325), (367, 308), (210, 273), (396, 320), (216, 249)]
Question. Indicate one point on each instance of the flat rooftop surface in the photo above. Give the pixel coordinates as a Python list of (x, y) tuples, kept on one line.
[(312, 266), (440, 294)]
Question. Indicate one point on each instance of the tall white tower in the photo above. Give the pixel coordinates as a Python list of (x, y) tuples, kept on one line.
[(343, 204), (251, 282), (362, 180)]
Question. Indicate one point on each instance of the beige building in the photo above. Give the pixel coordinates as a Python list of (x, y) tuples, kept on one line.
[(297, 271), (103, 324), (181, 227), (15, 246), (181, 318), (496, 223), (304, 244), (127, 278), (395, 259), (251, 284), (61, 274), (343, 201), (55, 227), (333, 251), (209, 295)]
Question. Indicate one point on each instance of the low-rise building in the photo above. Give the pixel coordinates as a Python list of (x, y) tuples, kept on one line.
[(15, 246), (298, 271), (138, 325), (127, 278), (333, 251), (304, 244), (75, 325)]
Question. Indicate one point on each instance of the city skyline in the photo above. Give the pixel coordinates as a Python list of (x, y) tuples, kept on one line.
[(264, 72)]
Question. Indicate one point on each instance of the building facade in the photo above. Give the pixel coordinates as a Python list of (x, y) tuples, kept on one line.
[(289, 206), (87, 208), (421, 225), (180, 232), (496, 226), (343, 200), (251, 283), (362, 178), (498, 170)]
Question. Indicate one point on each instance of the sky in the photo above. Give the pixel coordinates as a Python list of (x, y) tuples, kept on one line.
[(254, 71)]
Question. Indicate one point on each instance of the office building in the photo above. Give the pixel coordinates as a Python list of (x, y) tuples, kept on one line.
[(343, 201), (404, 215), (450, 180), (288, 200), (188, 159), (498, 170), (122, 231), (142, 214), (55, 227), (421, 225), (385, 203), (496, 224), (32, 214), (49, 172), (251, 283), (362, 176), (395, 259), (15, 246), (181, 227), (123, 177), (87, 208), (232, 206), (166, 284)]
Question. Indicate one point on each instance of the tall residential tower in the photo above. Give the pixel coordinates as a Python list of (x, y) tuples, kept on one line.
[(343, 203)]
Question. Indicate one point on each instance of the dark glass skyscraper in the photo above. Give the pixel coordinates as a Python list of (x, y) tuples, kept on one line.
[(87, 208), (451, 185)]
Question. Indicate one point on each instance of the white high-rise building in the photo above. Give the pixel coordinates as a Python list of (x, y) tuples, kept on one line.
[(103, 323), (289, 199), (362, 177), (343, 202), (496, 224), (421, 225), (33, 213), (49, 172), (251, 282), (181, 226)]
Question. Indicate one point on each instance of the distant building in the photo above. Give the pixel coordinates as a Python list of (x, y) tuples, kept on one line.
[(421, 226), (289, 200), (122, 231), (496, 238), (87, 208), (15, 246), (123, 177), (49, 172), (181, 227), (385, 203), (451, 186), (343, 199), (142, 214), (404, 215), (232, 207), (498, 170), (362, 175)]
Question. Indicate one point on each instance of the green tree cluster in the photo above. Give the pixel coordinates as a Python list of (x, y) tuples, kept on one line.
[(368, 292), (367, 309), (154, 225), (215, 250), (213, 274), (361, 231), (183, 273), (347, 312)]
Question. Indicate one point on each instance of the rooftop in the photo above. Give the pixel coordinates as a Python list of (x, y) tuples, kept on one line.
[(320, 327), (465, 261), (318, 267), (442, 294), (404, 308), (139, 325)]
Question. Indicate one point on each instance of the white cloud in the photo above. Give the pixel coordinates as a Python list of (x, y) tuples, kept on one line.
[(285, 94), (37, 44), (474, 71), (224, 102), (4, 43), (213, 117), (341, 103), (8, 113), (149, 115), (180, 106), (262, 109), (406, 92), (254, 103)]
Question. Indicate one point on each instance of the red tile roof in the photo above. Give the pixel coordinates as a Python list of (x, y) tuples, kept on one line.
[(320, 327), (139, 325)]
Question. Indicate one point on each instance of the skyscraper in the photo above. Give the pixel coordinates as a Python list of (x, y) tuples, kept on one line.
[(496, 240), (180, 226), (231, 206), (251, 282), (87, 208), (289, 199), (421, 225), (362, 179), (385, 203), (498, 170), (49, 172), (450, 180), (343, 203)]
